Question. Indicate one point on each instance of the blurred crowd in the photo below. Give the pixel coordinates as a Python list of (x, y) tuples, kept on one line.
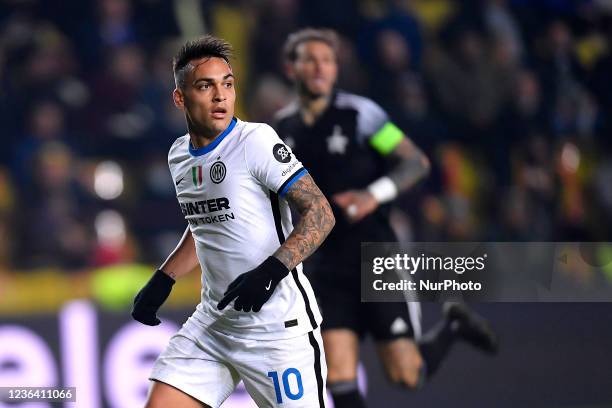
[(511, 100)]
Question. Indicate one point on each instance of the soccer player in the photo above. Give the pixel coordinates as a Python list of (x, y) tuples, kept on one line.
[(349, 144), (258, 319)]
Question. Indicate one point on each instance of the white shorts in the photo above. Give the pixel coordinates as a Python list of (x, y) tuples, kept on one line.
[(208, 365)]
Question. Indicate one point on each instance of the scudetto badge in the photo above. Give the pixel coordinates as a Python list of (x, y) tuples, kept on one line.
[(281, 153)]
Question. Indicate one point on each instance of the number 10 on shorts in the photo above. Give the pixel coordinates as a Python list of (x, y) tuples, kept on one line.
[(290, 394)]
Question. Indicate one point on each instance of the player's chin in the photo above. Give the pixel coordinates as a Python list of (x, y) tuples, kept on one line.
[(319, 91), (218, 121)]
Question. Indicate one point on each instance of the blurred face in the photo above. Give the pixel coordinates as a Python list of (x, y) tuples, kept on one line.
[(47, 120), (393, 50), (315, 69), (208, 96), (128, 64)]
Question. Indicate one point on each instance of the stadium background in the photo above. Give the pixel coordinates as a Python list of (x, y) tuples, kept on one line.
[(511, 100)]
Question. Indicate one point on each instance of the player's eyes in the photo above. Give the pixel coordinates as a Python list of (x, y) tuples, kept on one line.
[(204, 86), (229, 85)]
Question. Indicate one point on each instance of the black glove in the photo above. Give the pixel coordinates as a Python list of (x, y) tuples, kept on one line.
[(151, 297), (253, 288)]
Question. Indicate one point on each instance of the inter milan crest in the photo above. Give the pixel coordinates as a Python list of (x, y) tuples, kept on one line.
[(217, 172), (196, 175)]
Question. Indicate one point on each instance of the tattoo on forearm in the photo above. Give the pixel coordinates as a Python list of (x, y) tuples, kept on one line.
[(316, 221), (412, 166)]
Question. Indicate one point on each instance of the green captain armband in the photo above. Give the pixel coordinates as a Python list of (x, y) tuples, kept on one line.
[(386, 139)]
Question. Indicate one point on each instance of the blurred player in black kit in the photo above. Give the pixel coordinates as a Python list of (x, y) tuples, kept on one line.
[(349, 144)]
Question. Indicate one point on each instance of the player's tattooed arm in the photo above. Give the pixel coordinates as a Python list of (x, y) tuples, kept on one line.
[(411, 165), (316, 221)]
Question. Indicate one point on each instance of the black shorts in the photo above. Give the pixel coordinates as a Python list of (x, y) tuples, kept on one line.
[(383, 320), (334, 271)]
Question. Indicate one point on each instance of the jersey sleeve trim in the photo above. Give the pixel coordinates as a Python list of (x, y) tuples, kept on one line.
[(386, 139), (211, 146), (292, 179)]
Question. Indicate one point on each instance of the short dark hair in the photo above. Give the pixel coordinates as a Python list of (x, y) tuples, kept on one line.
[(326, 36), (204, 47)]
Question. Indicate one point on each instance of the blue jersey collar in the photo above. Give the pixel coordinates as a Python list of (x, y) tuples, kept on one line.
[(211, 146)]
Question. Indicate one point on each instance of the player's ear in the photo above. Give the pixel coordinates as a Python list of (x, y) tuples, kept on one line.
[(178, 97), (289, 71)]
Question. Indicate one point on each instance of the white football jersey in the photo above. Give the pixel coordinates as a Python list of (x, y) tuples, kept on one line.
[(231, 193)]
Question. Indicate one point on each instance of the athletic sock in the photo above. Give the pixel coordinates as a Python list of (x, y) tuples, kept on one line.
[(346, 395)]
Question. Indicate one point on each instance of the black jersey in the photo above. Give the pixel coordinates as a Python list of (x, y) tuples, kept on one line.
[(335, 148), (338, 151)]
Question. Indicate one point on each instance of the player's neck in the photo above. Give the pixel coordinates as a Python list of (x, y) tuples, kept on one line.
[(201, 137), (312, 108)]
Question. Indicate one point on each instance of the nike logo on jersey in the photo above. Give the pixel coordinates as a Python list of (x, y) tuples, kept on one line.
[(176, 183), (269, 285)]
